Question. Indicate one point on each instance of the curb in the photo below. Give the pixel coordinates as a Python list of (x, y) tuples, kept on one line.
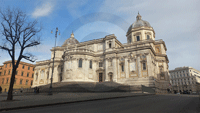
[(44, 105)]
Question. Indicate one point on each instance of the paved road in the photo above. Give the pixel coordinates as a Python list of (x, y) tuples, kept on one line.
[(143, 104)]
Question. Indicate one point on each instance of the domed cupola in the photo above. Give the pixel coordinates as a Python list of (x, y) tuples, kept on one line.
[(139, 23), (71, 40), (140, 30)]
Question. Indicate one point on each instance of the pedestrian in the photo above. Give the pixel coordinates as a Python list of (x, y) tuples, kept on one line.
[(34, 89), (0, 89), (168, 90), (37, 90)]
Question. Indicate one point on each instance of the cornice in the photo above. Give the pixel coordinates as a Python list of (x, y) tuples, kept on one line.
[(23, 63), (140, 28)]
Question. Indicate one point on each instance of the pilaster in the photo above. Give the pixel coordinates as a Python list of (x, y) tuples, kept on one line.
[(139, 66)]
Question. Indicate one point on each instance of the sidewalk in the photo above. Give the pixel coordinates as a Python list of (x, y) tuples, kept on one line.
[(39, 100)]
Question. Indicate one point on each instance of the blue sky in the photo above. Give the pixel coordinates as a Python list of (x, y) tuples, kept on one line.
[(174, 21)]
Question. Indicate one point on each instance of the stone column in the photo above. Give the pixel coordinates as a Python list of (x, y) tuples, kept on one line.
[(95, 68), (106, 70), (115, 69), (149, 62), (86, 67), (74, 68), (126, 67)]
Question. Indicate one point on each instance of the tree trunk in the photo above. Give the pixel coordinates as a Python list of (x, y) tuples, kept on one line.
[(10, 96)]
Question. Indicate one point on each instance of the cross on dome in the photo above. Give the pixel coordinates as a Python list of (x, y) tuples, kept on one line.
[(139, 17), (72, 34)]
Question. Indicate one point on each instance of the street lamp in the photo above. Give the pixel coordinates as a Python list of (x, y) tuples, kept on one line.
[(50, 88)]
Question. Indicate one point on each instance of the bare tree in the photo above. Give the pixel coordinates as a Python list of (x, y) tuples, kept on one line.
[(18, 32)]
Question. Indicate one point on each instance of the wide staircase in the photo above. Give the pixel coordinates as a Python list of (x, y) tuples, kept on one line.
[(88, 87)]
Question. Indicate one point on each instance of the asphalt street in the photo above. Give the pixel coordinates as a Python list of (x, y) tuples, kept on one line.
[(141, 104)]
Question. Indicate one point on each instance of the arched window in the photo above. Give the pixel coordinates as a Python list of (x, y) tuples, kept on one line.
[(138, 38), (148, 37), (36, 76), (42, 74), (90, 64), (110, 45), (80, 63)]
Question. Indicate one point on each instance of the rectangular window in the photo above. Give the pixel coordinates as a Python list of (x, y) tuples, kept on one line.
[(5, 72), (15, 81), (6, 65), (144, 66), (9, 71), (2, 80), (23, 67), (90, 64), (0, 73), (28, 68), (7, 80), (22, 73), (27, 74), (32, 75), (21, 81), (26, 82), (16, 72), (80, 63), (100, 64), (10, 65), (130, 40), (31, 82), (33, 68), (122, 68)]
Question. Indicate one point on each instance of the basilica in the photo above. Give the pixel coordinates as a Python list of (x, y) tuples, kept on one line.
[(140, 61)]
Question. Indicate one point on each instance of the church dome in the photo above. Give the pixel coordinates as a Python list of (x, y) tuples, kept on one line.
[(70, 41), (139, 23)]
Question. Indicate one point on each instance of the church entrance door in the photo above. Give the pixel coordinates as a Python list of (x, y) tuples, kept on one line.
[(111, 78), (100, 77)]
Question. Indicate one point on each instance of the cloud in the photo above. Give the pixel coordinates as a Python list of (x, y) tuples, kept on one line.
[(176, 22), (75, 7), (43, 10)]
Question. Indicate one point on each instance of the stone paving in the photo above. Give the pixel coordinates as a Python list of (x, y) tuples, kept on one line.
[(37, 100)]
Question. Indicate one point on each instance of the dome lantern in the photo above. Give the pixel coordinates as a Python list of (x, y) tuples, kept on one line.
[(139, 23), (139, 17)]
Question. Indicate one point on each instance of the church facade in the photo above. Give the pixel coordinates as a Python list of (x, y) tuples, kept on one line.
[(140, 61)]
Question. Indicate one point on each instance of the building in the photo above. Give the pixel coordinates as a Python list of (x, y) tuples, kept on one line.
[(23, 77), (140, 61), (185, 79)]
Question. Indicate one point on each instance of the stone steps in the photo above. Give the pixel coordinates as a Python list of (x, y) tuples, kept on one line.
[(88, 87)]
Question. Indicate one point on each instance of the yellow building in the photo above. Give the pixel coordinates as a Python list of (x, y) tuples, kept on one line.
[(23, 77)]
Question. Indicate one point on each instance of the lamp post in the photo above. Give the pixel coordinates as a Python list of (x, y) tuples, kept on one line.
[(50, 88)]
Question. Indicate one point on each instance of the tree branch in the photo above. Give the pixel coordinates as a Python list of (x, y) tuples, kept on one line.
[(29, 57), (34, 43)]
